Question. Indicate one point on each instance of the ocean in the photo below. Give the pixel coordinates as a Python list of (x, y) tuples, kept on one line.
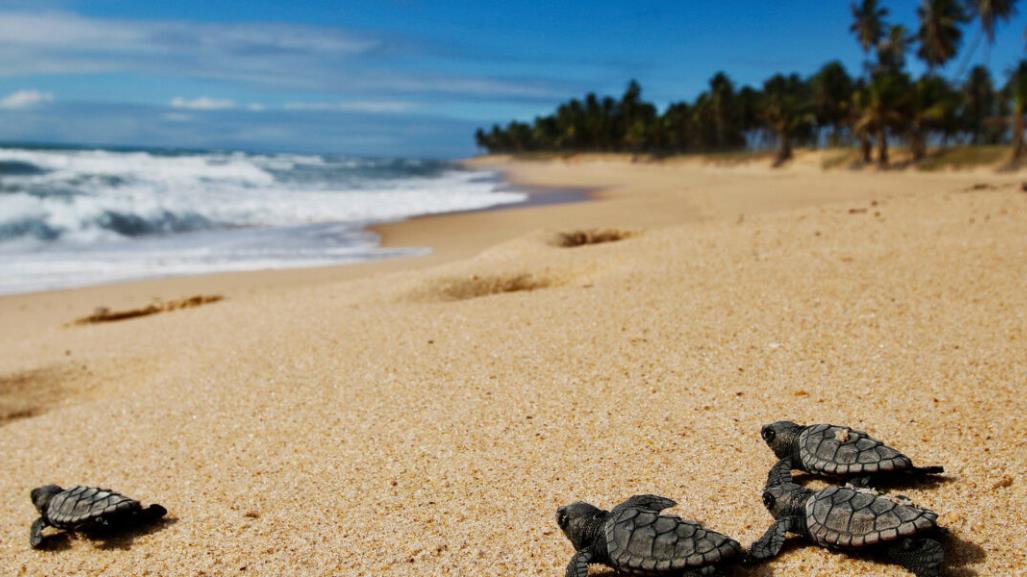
[(80, 216)]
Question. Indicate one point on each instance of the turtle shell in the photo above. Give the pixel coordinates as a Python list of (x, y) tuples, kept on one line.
[(83, 506), (850, 518), (836, 450), (642, 542)]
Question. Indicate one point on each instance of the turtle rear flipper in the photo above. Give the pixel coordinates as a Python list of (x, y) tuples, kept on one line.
[(921, 556), (932, 470), (152, 513)]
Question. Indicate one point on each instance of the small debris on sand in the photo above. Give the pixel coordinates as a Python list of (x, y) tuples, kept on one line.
[(586, 237), (1005, 481), (106, 315), (981, 186)]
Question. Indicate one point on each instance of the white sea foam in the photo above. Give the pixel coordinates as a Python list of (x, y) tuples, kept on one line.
[(70, 217)]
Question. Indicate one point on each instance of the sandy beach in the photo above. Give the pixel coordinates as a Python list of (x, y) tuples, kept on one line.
[(427, 415)]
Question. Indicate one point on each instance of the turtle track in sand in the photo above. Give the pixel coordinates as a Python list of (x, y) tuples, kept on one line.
[(476, 286), (29, 393)]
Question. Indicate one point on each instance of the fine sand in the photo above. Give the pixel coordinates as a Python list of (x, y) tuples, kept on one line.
[(426, 416)]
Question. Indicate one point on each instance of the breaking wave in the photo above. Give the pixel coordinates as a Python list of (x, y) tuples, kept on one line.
[(197, 212)]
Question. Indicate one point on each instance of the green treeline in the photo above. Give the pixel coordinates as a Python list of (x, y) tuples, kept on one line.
[(883, 104)]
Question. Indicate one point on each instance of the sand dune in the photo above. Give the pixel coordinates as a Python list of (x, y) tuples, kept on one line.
[(426, 417)]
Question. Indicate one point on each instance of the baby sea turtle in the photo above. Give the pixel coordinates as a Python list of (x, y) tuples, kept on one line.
[(834, 450), (850, 518), (86, 509), (634, 538)]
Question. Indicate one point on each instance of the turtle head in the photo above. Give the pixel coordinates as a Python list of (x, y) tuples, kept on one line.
[(41, 496), (579, 522), (781, 437), (784, 500)]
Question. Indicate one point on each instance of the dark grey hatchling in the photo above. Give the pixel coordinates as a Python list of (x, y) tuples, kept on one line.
[(833, 450), (635, 539), (851, 519), (87, 509)]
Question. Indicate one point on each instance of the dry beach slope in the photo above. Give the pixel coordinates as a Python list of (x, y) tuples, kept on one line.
[(428, 423)]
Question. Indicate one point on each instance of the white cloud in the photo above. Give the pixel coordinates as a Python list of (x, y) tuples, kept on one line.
[(366, 106), (317, 58), (25, 99), (203, 103), (255, 107), (57, 42)]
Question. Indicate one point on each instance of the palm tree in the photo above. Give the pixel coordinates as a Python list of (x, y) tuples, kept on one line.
[(677, 121), (927, 106), (881, 109), (786, 110), (747, 111), (940, 33), (1016, 88), (979, 103), (857, 117), (546, 132), (868, 26), (990, 13), (831, 89), (722, 100), (570, 120), (891, 52)]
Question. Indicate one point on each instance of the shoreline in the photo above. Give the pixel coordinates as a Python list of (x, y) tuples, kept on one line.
[(57, 306), (646, 194)]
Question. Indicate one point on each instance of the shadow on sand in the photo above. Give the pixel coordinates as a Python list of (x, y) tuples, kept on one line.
[(959, 553), (884, 483), (120, 539)]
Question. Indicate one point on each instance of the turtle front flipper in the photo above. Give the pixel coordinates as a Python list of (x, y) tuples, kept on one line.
[(770, 544), (578, 567), (921, 556), (780, 473), (36, 533)]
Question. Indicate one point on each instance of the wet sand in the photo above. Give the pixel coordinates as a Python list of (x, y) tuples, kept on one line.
[(426, 416)]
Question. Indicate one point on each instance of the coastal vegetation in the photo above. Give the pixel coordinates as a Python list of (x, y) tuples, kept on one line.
[(882, 105)]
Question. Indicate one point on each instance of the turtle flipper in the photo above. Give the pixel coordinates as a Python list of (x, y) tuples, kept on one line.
[(770, 544), (152, 513), (863, 482), (932, 470), (921, 556), (781, 473), (578, 567), (650, 502), (36, 533)]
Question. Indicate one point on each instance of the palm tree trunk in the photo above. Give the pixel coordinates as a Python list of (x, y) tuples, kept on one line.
[(1018, 131), (882, 147), (916, 143), (784, 148), (867, 148)]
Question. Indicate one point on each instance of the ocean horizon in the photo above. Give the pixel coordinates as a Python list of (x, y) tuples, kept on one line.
[(80, 215)]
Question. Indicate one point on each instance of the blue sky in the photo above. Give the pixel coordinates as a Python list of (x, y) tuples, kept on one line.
[(407, 77)]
